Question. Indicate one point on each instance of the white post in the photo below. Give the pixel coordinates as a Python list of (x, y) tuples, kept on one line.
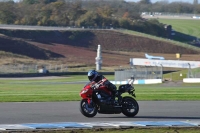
[(98, 58), (36, 68)]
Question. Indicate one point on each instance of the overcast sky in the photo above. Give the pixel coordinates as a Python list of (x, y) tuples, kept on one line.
[(189, 1)]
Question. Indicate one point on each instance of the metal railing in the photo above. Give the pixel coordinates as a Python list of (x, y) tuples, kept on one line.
[(146, 72), (193, 73), (32, 68)]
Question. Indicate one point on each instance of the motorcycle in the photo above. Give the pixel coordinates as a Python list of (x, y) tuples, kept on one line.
[(96, 98)]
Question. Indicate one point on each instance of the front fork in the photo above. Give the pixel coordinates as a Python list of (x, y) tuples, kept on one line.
[(89, 100), (90, 103)]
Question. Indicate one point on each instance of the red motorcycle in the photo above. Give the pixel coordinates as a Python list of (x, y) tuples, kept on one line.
[(97, 98)]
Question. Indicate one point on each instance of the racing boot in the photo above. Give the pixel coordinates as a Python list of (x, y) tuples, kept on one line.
[(116, 97), (116, 94)]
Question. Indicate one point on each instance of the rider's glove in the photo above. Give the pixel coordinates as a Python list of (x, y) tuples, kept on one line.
[(96, 86)]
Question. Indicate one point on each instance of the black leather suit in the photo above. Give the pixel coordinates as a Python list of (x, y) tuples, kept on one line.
[(107, 83)]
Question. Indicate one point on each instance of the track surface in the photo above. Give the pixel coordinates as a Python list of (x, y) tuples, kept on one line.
[(48, 112)]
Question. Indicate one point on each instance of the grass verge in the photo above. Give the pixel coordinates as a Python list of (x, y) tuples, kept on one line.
[(123, 130), (59, 90), (177, 43), (188, 26)]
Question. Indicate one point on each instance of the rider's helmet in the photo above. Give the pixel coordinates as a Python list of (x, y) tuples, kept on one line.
[(92, 74)]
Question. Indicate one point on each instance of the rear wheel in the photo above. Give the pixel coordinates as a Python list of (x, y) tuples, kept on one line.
[(130, 107), (88, 110)]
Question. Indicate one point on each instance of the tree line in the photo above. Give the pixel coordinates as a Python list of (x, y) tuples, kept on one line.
[(87, 13)]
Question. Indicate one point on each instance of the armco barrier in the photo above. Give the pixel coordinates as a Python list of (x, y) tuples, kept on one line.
[(145, 81), (191, 80)]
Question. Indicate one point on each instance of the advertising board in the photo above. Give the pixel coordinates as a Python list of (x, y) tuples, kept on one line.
[(165, 63)]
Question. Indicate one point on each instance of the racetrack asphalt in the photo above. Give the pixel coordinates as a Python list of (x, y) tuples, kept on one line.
[(48, 112)]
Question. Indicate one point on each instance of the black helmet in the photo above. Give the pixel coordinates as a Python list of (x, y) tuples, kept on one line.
[(92, 74)]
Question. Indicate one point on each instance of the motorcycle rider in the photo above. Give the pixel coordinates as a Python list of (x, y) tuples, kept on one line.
[(94, 76)]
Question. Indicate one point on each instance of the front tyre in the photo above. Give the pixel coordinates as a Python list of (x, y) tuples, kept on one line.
[(88, 110), (130, 107)]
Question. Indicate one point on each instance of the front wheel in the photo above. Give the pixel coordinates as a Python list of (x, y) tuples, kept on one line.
[(88, 110), (130, 107)]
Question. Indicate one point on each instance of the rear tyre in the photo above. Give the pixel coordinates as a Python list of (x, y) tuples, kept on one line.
[(130, 107), (88, 110)]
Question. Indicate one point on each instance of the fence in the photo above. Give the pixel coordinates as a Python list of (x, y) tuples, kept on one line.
[(144, 72), (32, 68), (193, 73), (180, 75)]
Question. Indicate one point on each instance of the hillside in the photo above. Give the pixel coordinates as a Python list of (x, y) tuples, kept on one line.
[(79, 47)]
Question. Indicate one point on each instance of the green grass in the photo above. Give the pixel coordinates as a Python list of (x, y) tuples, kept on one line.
[(120, 130), (59, 90), (130, 130), (187, 26), (160, 39), (180, 75), (176, 76), (68, 78)]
